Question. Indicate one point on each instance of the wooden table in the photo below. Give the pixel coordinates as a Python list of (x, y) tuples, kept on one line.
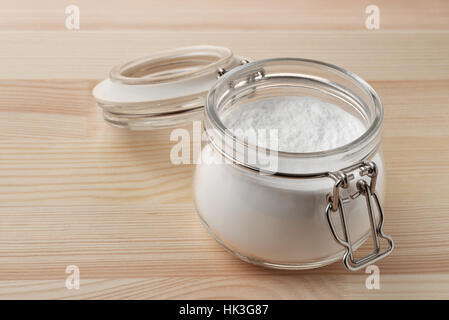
[(74, 191)]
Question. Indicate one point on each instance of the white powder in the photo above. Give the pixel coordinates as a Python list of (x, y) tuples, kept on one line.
[(273, 219), (304, 124)]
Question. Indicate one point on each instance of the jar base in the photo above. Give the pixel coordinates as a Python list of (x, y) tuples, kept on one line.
[(285, 266)]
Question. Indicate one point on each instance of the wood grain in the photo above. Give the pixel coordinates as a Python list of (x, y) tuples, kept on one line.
[(232, 14), (386, 55), (76, 191), (409, 286)]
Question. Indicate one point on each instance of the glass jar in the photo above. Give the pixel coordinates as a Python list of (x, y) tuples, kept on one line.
[(310, 209), (276, 209)]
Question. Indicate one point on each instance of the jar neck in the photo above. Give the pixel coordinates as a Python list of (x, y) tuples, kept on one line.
[(286, 76)]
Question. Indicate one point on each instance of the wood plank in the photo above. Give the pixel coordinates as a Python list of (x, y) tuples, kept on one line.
[(412, 108), (233, 14), (169, 241), (385, 55), (409, 286)]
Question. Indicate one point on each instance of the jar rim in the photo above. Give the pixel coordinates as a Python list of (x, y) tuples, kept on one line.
[(195, 61), (371, 132)]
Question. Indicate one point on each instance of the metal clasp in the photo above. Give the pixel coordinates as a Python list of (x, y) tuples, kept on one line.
[(335, 204), (222, 71), (247, 77)]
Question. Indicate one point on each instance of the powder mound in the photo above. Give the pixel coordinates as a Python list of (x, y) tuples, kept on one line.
[(303, 124)]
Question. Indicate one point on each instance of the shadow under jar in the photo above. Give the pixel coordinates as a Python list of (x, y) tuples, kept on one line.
[(292, 210)]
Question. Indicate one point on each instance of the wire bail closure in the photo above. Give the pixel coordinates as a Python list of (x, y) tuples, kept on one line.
[(335, 204)]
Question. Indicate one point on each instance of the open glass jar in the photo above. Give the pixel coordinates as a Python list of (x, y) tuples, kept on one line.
[(305, 211)]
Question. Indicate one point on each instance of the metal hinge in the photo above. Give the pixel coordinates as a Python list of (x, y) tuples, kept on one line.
[(222, 71), (335, 204)]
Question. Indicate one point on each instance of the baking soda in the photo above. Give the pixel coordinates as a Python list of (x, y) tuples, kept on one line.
[(275, 220), (304, 124)]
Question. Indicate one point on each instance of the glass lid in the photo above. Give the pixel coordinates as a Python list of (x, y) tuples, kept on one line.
[(162, 90)]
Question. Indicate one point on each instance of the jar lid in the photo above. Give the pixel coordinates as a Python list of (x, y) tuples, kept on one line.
[(163, 90)]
